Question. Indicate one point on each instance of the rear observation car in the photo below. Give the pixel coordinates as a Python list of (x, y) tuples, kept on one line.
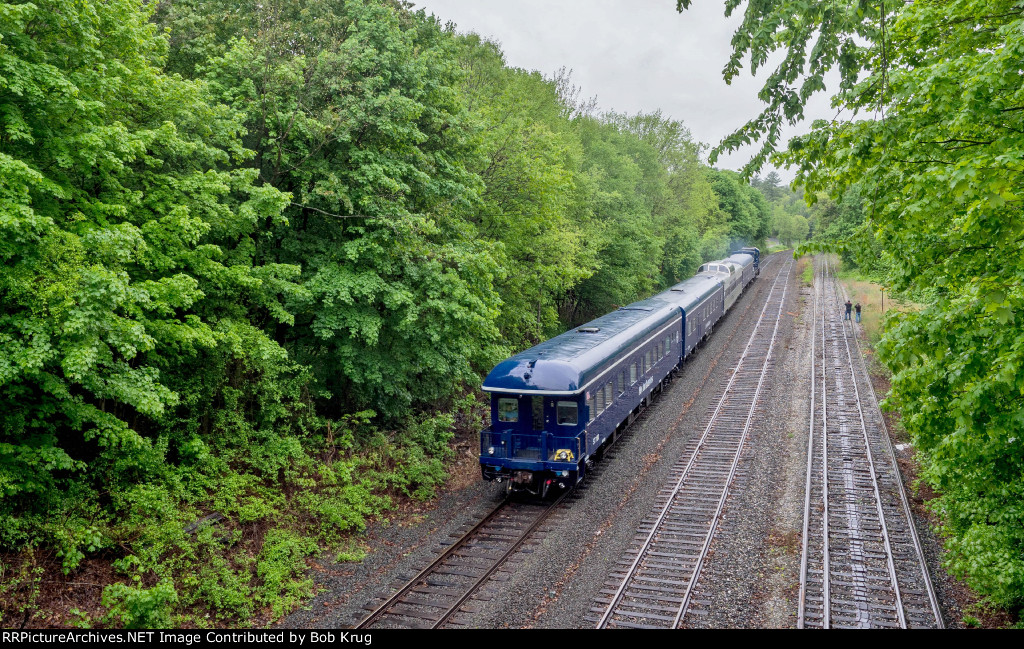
[(556, 405)]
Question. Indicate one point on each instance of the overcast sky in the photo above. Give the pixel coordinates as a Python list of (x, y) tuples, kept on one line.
[(633, 55)]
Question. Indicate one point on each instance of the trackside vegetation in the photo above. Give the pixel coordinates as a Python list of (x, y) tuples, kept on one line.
[(922, 183), (256, 257)]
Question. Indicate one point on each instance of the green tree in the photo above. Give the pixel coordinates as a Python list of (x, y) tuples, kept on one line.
[(620, 176), (769, 186), (529, 161), (354, 108), (844, 225), (747, 214), (127, 235), (940, 169), (688, 208), (789, 225)]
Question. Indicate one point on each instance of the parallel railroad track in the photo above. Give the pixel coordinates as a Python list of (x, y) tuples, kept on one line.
[(431, 598), (862, 564), (654, 586)]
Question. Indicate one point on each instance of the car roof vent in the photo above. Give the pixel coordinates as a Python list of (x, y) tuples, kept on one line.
[(589, 330)]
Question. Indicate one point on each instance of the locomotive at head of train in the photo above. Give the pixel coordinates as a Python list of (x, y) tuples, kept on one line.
[(556, 406)]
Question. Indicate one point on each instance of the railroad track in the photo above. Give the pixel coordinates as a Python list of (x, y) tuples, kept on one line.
[(654, 586), (862, 564), (433, 597)]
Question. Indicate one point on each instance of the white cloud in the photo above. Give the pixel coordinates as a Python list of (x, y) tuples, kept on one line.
[(636, 55)]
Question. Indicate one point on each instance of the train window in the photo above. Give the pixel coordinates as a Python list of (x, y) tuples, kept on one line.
[(632, 374), (538, 413), (608, 396), (668, 344), (567, 413), (622, 381), (647, 361), (600, 400), (508, 410), (592, 406)]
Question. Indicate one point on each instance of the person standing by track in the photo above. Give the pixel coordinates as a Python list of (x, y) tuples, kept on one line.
[(849, 307), (856, 308)]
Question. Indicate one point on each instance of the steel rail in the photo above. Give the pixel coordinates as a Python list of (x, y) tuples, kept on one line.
[(810, 463), (826, 556), (631, 571), (904, 501), (452, 549), (382, 610)]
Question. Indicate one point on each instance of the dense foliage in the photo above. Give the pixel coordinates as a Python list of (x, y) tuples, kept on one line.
[(791, 217), (256, 258), (934, 151)]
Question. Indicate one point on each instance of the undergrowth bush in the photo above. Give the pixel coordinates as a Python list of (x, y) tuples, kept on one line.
[(140, 608)]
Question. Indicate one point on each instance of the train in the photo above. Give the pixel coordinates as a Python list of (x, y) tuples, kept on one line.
[(556, 407)]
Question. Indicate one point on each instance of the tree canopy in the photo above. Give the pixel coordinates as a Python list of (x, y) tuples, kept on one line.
[(933, 140)]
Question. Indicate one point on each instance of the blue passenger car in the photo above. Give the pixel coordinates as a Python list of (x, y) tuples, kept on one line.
[(555, 405), (701, 302)]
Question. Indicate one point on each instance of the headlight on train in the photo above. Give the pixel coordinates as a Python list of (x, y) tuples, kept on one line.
[(490, 451)]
